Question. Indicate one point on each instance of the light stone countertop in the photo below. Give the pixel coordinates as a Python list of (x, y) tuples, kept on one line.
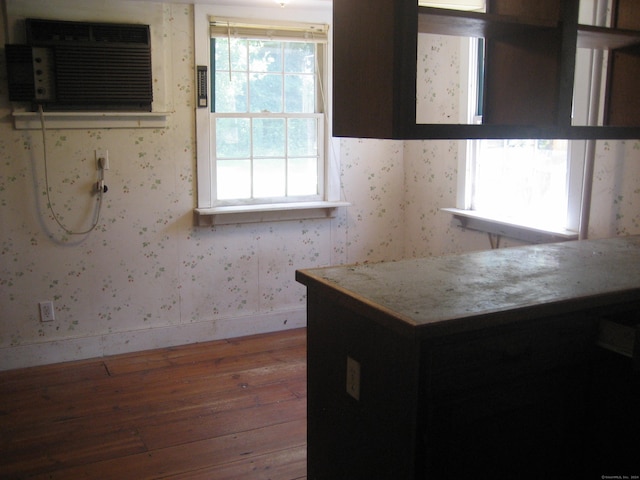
[(456, 293)]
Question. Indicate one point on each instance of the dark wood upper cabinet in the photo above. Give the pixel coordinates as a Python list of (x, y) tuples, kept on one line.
[(529, 65), (374, 62)]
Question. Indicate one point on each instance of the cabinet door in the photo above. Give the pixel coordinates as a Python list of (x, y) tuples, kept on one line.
[(614, 416), (374, 59), (511, 401), (529, 429)]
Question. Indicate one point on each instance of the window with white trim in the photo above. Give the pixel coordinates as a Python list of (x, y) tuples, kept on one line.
[(535, 184), (264, 137)]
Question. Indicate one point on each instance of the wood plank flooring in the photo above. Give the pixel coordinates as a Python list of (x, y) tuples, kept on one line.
[(230, 409)]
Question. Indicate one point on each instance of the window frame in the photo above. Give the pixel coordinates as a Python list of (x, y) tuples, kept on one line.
[(586, 101), (207, 211)]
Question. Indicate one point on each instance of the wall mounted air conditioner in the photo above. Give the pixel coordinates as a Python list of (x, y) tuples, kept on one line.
[(80, 66)]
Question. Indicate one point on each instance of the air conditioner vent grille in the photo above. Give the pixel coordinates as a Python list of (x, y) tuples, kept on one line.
[(49, 32), (107, 75), (121, 34)]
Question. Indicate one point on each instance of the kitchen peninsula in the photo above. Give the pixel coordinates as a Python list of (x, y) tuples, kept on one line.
[(476, 364)]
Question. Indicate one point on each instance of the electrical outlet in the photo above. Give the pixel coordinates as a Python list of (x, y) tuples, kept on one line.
[(47, 312), (102, 159), (353, 378)]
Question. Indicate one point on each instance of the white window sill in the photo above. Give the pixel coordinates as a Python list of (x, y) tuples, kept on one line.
[(89, 120), (472, 220), (272, 212)]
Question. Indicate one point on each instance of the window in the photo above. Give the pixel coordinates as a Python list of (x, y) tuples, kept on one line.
[(267, 113), (522, 179), (530, 185), (263, 138)]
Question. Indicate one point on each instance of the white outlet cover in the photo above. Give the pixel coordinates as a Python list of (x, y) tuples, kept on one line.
[(104, 154), (47, 312)]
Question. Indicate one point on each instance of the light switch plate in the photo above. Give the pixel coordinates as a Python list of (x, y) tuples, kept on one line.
[(353, 378)]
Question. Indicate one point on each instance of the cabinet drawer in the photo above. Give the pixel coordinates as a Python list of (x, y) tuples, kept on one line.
[(505, 353)]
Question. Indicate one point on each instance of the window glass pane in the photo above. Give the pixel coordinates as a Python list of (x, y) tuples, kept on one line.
[(265, 92), (303, 137), (269, 178), (265, 56), (231, 93), (232, 138), (260, 157), (523, 180), (233, 179), (269, 137), (238, 54), (299, 94), (303, 176), (299, 57)]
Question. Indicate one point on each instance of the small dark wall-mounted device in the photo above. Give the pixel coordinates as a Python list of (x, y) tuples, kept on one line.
[(82, 66), (202, 86)]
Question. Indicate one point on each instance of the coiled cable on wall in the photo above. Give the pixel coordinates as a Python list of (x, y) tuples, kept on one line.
[(46, 183)]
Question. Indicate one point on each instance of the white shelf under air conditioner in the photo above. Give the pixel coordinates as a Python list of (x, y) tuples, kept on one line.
[(90, 120)]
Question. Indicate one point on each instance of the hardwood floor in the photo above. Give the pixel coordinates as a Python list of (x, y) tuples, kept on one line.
[(230, 409)]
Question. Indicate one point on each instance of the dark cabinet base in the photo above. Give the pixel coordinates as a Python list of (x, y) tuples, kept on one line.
[(527, 430), (614, 417), (408, 384), (532, 401)]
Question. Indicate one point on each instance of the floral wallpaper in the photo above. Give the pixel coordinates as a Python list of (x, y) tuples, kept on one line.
[(148, 277), (372, 178), (438, 79), (615, 208)]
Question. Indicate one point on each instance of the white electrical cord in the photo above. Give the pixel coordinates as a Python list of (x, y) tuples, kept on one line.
[(46, 182)]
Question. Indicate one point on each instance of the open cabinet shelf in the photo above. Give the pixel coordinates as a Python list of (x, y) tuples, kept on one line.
[(441, 21), (530, 58), (606, 38)]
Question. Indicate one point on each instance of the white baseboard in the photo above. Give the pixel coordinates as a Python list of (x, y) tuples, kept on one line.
[(132, 341)]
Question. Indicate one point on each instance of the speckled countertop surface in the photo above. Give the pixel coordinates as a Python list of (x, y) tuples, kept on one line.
[(424, 293)]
